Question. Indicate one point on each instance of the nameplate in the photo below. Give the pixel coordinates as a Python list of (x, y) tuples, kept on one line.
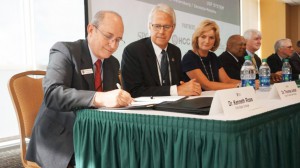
[(230, 101), (285, 91), (86, 71)]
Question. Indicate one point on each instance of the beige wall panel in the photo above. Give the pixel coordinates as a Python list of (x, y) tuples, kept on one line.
[(273, 24)]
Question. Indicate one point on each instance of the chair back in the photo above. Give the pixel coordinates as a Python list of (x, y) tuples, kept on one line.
[(26, 92)]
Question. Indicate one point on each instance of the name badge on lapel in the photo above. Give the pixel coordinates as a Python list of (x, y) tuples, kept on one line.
[(86, 71)]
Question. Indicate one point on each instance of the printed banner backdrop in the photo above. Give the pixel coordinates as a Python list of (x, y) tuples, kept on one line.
[(189, 13)]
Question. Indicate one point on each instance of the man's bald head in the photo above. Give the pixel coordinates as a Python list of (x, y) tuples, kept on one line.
[(236, 45)]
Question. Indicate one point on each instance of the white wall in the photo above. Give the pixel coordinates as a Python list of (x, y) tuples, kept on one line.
[(250, 13), (26, 37)]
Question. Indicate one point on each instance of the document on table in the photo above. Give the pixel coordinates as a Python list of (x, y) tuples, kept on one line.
[(156, 99), (147, 102)]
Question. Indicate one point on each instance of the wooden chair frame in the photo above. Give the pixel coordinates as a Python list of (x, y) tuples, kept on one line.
[(27, 94)]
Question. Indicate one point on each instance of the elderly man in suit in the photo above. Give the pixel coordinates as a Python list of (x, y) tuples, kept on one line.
[(253, 42), (151, 66), (80, 74), (283, 49), (295, 61), (232, 59)]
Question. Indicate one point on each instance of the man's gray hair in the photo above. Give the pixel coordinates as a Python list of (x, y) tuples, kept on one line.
[(280, 43), (251, 32), (162, 8)]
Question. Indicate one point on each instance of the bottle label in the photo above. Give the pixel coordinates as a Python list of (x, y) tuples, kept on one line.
[(286, 77), (248, 82), (264, 81)]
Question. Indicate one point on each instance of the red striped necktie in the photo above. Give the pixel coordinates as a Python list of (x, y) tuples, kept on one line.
[(98, 80)]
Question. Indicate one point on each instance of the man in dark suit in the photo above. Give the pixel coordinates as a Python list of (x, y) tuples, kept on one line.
[(283, 49), (70, 84), (295, 61), (232, 59), (144, 71), (253, 43)]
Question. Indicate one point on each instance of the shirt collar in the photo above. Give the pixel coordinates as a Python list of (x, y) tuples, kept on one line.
[(94, 58), (157, 49), (233, 56), (249, 53), (279, 57)]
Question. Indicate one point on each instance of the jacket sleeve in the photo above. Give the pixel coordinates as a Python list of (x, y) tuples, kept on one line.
[(63, 83)]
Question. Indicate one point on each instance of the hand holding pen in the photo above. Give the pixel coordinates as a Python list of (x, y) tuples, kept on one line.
[(113, 98)]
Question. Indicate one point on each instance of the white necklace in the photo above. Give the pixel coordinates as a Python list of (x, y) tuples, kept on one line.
[(212, 76)]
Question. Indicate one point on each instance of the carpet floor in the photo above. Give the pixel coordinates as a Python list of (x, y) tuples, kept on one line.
[(10, 158)]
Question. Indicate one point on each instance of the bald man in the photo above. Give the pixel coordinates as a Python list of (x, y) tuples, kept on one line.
[(232, 59), (74, 81)]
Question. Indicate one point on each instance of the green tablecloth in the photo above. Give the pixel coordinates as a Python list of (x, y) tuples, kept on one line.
[(109, 139)]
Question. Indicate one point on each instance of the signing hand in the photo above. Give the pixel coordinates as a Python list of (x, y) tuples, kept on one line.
[(114, 98)]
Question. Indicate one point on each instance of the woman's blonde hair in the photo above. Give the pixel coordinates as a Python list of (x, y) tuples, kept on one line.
[(204, 26)]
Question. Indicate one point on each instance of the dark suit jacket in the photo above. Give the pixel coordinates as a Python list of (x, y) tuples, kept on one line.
[(295, 63), (65, 90), (139, 69), (231, 66), (274, 63)]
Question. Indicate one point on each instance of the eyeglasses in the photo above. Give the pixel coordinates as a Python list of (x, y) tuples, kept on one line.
[(157, 27), (110, 37)]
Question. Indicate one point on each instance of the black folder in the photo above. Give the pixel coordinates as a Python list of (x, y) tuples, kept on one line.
[(200, 106)]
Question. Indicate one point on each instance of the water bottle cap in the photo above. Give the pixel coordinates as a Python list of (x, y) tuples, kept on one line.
[(247, 57)]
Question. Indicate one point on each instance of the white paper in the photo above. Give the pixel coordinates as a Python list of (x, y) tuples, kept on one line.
[(157, 99)]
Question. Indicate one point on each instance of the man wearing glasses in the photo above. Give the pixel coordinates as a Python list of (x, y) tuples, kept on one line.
[(283, 49), (80, 74), (151, 66)]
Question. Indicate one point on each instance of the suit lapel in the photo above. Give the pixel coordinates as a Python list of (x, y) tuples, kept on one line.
[(86, 63), (152, 61), (279, 61)]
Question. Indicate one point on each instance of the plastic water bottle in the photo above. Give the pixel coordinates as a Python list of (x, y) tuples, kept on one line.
[(248, 73), (264, 76), (286, 71)]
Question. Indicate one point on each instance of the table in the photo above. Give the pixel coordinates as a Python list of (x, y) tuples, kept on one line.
[(120, 139)]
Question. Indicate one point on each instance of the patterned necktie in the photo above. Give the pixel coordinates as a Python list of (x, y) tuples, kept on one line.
[(164, 69), (98, 80), (254, 63)]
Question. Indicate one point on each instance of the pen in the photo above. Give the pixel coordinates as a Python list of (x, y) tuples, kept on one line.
[(118, 86)]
